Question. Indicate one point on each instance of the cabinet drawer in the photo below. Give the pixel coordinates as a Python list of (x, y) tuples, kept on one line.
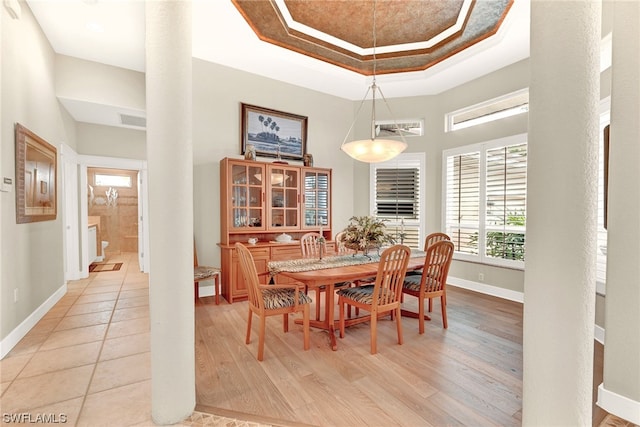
[(255, 252), (284, 253)]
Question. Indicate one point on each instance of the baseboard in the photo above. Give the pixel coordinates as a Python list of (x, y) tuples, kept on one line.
[(207, 290), (483, 288), (14, 337), (618, 405)]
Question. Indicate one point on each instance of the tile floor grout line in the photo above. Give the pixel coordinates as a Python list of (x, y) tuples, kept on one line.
[(39, 346), (104, 338)]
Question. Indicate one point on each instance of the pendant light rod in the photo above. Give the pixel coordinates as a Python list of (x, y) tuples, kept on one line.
[(373, 150)]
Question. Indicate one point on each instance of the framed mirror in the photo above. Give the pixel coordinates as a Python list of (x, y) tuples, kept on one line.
[(36, 164)]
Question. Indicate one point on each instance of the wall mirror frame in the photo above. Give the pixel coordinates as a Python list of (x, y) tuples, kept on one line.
[(36, 177)]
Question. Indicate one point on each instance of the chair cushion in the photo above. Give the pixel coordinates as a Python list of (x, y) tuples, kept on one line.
[(202, 272), (361, 294), (281, 298), (412, 283)]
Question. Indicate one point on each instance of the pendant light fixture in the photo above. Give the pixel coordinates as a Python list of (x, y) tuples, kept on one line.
[(373, 150)]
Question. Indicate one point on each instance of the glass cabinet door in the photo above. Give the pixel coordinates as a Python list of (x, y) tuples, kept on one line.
[(283, 199), (247, 192), (316, 199)]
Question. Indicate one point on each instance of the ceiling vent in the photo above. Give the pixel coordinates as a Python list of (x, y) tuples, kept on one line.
[(128, 120)]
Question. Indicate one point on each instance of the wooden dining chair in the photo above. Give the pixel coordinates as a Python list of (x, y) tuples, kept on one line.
[(311, 244), (430, 240), (432, 283), (271, 300), (205, 272), (381, 297)]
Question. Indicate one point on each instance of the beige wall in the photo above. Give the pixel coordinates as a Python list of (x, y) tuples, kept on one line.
[(77, 79), (109, 141), (32, 256), (217, 94)]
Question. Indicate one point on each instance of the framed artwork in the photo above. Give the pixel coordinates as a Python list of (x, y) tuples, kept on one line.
[(273, 133), (36, 163)]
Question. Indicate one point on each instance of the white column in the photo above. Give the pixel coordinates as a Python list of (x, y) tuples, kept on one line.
[(560, 276), (620, 391), (170, 169)]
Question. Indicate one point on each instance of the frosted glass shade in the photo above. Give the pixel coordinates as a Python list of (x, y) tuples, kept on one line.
[(374, 150)]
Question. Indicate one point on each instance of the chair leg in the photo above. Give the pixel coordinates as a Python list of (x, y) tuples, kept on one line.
[(420, 315), (248, 340), (443, 307), (305, 326), (263, 325), (285, 322), (399, 326), (341, 308), (217, 283), (196, 290), (374, 333), (317, 303), (430, 305)]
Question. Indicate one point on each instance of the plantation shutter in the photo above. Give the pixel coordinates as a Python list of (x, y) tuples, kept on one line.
[(462, 209), (396, 198), (506, 191)]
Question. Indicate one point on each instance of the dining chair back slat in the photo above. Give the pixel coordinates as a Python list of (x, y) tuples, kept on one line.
[(382, 297), (310, 245), (433, 281)]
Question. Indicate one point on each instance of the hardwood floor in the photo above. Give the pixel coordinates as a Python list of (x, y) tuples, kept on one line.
[(469, 374)]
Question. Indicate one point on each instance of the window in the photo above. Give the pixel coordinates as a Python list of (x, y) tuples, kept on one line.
[(488, 111), (484, 199), (396, 192), (105, 180), (388, 128)]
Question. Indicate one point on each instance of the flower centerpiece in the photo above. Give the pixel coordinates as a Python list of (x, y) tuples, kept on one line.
[(366, 232)]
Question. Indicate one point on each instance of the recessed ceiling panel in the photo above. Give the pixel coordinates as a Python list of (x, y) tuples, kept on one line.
[(411, 35)]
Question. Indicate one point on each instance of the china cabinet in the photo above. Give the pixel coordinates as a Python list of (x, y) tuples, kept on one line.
[(262, 200)]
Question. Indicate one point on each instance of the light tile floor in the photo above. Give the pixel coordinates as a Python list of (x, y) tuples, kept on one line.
[(87, 361)]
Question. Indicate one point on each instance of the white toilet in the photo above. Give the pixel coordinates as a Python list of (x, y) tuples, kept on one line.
[(104, 246)]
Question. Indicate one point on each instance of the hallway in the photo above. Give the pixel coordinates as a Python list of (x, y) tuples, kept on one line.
[(87, 362)]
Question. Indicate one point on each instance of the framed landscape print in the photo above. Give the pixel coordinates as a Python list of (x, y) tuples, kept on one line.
[(36, 162), (273, 133)]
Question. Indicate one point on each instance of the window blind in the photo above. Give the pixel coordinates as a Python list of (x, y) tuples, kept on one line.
[(396, 194), (484, 200), (463, 201), (506, 196)]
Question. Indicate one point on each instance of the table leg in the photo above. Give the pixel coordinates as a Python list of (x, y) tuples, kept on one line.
[(330, 309)]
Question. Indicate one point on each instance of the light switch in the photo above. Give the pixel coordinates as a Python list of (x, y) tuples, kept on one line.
[(7, 185)]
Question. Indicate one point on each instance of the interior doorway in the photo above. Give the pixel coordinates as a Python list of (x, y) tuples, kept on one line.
[(112, 207), (126, 230)]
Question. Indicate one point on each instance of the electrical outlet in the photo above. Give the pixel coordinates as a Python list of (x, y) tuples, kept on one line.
[(481, 277), (15, 295)]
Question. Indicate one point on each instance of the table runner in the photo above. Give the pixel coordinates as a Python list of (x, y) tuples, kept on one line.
[(309, 264)]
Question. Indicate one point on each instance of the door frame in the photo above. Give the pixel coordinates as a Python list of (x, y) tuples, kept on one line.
[(70, 218), (143, 202)]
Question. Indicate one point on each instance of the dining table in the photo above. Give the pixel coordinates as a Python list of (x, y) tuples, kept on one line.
[(332, 270)]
